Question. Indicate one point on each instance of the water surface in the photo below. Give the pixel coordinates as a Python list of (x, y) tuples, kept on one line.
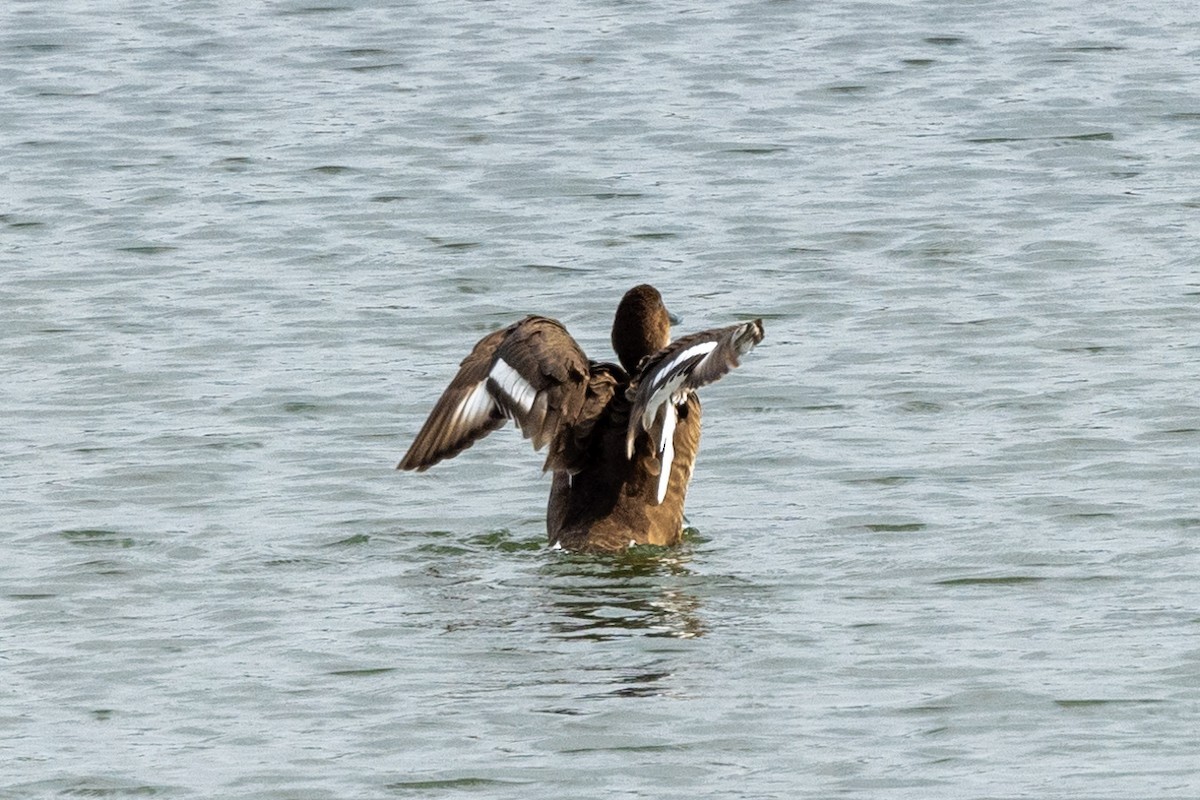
[(944, 520)]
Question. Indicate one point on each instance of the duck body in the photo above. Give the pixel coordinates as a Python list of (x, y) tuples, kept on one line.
[(612, 502), (622, 439)]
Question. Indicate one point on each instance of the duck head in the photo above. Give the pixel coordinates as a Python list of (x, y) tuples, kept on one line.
[(641, 326)]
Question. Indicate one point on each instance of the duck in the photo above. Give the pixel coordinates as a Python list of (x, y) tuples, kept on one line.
[(621, 438)]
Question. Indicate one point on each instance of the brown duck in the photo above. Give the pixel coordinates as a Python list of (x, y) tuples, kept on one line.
[(622, 439)]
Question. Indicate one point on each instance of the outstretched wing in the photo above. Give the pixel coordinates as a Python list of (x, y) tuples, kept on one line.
[(667, 378), (531, 372)]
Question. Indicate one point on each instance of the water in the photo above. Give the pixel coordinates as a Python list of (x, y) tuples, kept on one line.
[(945, 516)]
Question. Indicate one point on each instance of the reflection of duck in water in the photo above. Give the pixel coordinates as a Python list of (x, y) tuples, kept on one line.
[(623, 439), (641, 593), (669, 613), (635, 595)]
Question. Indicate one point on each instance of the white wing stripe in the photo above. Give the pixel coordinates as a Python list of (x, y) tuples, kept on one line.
[(666, 380), (515, 387), (473, 408), (661, 395), (667, 453), (701, 349)]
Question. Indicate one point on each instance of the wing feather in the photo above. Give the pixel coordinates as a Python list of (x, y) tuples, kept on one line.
[(669, 376), (532, 372)]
